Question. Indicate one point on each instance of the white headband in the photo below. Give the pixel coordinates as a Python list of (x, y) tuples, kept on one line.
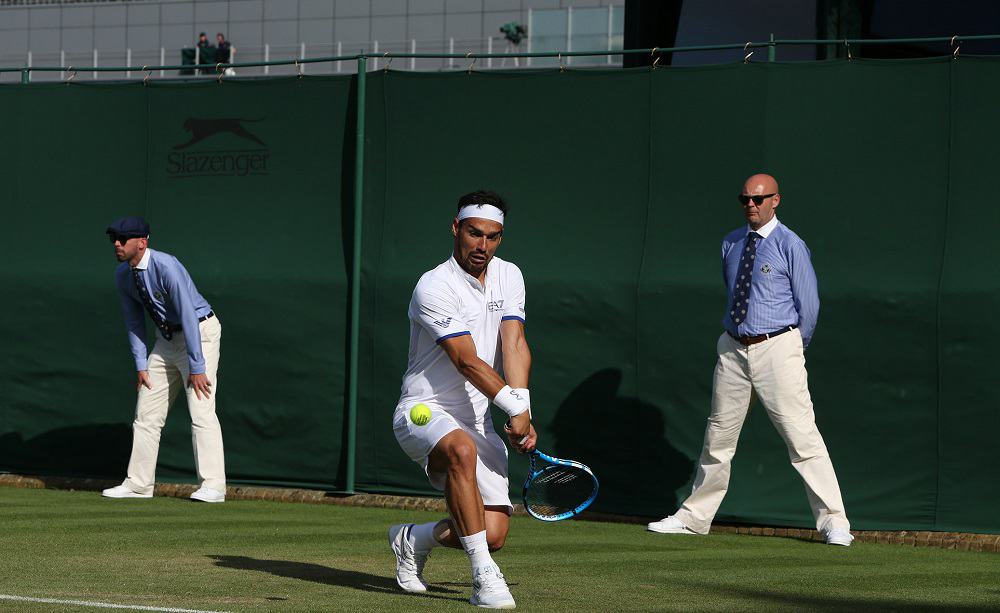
[(483, 211)]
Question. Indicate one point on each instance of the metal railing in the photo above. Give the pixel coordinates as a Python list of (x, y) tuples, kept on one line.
[(563, 57), (654, 54)]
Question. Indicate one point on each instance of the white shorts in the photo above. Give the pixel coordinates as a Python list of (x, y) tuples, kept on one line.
[(491, 463)]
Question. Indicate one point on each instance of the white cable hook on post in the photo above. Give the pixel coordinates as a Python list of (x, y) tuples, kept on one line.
[(954, 51), (148, 72), (218, 69), (746, 56), (298, 68), (467, 56), (656, 61), (71, 76), (848, 46), (386, 55), (561, 67)]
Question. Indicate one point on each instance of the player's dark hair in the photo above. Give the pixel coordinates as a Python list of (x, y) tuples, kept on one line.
[(483, 197)]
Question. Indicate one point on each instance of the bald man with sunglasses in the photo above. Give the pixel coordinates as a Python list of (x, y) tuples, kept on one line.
[(773, 306)]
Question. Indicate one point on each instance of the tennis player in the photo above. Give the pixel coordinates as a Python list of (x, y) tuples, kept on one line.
[(466, 326)]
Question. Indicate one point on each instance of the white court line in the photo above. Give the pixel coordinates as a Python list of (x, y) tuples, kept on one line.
[(103, 605)]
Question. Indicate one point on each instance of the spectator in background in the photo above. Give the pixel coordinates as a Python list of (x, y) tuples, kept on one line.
[(206, 54), (222, 49)]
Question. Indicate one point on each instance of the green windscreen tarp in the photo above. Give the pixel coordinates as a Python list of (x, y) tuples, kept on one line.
[(243, 182), (622, 185)]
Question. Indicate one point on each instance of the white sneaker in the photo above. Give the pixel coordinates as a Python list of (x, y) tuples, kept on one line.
[(207, 494), (120, 491), (669, 525), (839, 536), (489, 589), (409, 563)]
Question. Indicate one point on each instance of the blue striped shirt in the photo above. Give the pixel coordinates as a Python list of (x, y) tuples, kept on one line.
[(783, 288), (175, 299)]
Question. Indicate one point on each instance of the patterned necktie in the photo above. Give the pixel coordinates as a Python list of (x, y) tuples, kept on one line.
[(146, 300), (741, 291)]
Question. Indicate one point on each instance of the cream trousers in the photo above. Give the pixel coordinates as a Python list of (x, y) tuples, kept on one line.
[(168, 374), (776, 370)]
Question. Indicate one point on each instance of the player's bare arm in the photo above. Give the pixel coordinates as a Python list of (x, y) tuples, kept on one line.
[(517, 369), (461, 350)]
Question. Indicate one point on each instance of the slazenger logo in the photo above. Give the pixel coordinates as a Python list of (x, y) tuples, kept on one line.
[(766, 268), (221, 162), (444, 323), (494, 305)]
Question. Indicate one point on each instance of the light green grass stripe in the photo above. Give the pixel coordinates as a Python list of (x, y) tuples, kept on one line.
[(103, 605)]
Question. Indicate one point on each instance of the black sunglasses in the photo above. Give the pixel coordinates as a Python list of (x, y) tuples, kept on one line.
[(758, 200), (118, 238)]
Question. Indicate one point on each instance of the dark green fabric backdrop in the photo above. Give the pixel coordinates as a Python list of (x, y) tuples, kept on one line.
[(266, 248), (621, 184)]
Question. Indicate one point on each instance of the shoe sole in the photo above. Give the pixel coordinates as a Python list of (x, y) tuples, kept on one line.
[(208, 500), (126, 496), (672, 531), (503, 605), (395, 550)]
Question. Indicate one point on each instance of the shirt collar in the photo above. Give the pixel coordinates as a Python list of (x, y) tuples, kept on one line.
[(144, 262), (474, 282), (766, 229)]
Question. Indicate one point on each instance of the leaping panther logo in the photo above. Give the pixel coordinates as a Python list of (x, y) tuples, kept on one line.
[(201, 129)]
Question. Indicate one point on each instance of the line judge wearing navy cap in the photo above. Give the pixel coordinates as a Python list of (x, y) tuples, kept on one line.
[(185, 357)]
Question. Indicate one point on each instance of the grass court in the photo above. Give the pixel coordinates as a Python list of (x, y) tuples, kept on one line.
[(274, 556)]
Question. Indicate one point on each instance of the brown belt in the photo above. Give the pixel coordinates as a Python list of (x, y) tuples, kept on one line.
[(746, 341)]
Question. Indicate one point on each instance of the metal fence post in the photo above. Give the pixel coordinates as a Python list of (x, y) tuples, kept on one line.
[(359, 192), (771, 51)]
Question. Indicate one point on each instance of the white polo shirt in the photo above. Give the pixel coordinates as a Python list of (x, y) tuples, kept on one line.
[(449, 302)]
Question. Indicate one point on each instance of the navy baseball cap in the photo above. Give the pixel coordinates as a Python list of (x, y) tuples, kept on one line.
[(129, 227)]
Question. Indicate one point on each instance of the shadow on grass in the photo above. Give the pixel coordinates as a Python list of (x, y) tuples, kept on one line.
[(326, 575), (873, 604)]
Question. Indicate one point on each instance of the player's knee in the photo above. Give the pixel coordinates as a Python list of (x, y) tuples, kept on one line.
[(496, 541), (462, 456)]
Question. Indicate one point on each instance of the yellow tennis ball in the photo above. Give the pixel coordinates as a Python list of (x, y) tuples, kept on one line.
[(420, 414)]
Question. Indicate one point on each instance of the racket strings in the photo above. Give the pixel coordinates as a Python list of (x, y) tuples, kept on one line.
[(558, 490)]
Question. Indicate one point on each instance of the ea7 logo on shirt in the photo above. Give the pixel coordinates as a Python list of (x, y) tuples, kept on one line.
[(766, 268), (444, 323), (494, 305)]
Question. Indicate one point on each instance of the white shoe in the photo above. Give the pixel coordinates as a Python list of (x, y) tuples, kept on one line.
[(207, 494), (839, 536), (409, 563), (489, 589), (120, 491), (669, 525)]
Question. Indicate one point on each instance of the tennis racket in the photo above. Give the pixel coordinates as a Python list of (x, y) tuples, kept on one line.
[(557, 489)]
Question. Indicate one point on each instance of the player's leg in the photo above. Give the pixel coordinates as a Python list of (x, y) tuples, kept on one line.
[(206, 432), (412, 543), (455, 457), (150, 414), (731, 390), (781, 381), (497, 526), (453, 462)]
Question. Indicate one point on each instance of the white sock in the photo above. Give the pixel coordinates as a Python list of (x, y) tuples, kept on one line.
[(422, 537), (478, 550)]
